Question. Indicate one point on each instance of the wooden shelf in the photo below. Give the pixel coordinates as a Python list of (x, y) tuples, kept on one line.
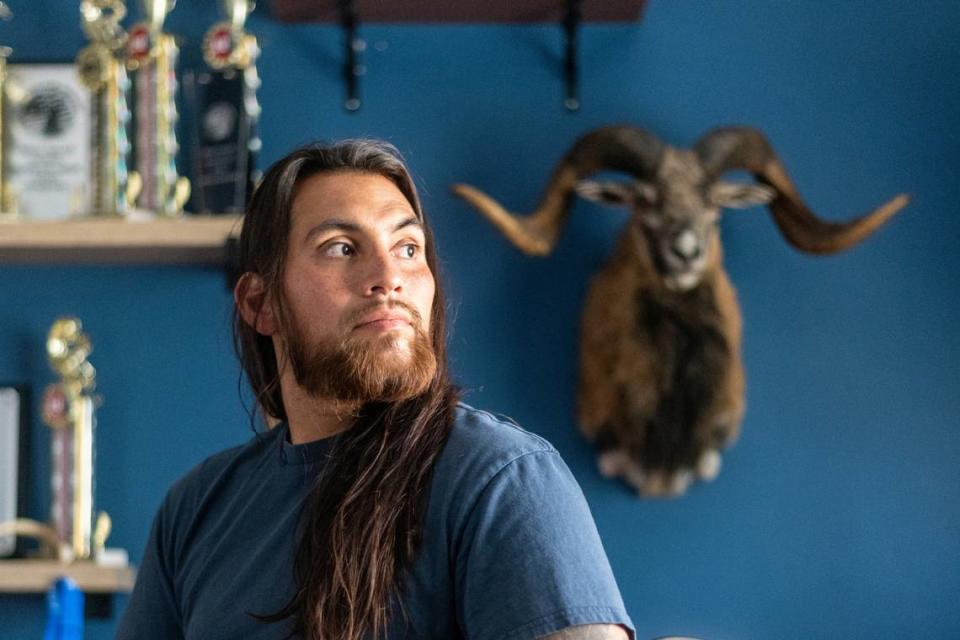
[(446, 11), (185, 240), (36, 576)]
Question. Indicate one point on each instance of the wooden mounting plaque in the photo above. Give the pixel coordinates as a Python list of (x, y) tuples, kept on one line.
[(503, 11)]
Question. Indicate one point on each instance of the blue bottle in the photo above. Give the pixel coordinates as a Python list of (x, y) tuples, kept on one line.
[(64, 611)]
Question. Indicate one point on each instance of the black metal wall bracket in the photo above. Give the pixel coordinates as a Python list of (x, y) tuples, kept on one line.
[(231, 251), (571, 26), (353, 45)]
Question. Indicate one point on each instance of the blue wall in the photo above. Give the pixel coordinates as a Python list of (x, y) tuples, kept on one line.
[(838, 512)]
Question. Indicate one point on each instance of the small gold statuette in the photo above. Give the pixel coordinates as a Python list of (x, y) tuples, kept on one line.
[(151, 57), (68, 409), (227, 108), (226, 45), (101, 68)]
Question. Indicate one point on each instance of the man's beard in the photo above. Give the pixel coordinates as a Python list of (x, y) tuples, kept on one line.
[(387, 367)]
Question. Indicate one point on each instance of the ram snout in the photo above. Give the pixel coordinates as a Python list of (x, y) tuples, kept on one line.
[(683, 255)]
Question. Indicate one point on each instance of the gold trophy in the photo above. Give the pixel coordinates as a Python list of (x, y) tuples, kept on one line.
[(101, 69), (8, 205), (152, 58), (68, 409)]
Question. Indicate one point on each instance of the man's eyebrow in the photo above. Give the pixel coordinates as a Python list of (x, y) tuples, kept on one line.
[(412, 221), (333, 224), (336, 224)]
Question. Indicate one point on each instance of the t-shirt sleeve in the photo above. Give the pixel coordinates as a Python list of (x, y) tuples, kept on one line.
[(153, 611), (530, 561)]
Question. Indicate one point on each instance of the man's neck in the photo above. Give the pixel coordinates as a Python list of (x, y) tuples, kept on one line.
[(311, 418)]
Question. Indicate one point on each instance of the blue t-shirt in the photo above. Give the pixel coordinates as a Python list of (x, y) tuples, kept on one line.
[(509, 548)]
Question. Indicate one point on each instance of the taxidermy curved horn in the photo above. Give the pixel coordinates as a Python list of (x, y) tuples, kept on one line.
[(746, 148), (618, 148)]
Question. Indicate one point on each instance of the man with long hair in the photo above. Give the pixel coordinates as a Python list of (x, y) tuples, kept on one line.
[(378, 505)]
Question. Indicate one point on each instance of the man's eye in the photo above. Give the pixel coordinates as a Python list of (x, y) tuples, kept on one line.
[(338, 249), (409, 250)]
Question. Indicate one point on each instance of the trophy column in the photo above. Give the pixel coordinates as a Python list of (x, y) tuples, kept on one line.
[(152, 58), (7, 204), (113, 189), (68, 409)]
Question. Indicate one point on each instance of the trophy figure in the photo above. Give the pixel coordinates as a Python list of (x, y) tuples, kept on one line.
[(102, 71), (68, 409), (152, 58), (8, 205), (226, 137)]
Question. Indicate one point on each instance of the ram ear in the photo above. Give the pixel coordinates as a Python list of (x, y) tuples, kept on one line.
[(616, 193), (738, 195)]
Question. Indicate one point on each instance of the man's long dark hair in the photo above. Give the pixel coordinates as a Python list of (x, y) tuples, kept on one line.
[(362, 519)]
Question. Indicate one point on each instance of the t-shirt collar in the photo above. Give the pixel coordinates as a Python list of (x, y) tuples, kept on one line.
[(306, 453)]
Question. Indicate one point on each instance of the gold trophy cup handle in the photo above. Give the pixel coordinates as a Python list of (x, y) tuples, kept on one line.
[(27, 528), (181, 193), (134, 187), (237, 11), (155, 11), (101, 531)]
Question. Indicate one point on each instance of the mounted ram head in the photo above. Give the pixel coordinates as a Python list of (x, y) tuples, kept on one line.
[(661, 380)]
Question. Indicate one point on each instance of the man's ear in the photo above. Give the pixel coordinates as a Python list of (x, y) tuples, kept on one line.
[(254, 304)]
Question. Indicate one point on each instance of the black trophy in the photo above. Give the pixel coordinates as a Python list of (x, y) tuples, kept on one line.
[(225, 134)]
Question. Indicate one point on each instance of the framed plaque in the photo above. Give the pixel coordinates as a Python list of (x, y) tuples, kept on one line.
[(48, 140), (14, 478)]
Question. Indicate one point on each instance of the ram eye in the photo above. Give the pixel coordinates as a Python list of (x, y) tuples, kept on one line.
[(651, 221), (646, 193)]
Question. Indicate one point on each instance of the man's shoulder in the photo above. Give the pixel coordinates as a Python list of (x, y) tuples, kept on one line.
[(481, 442), (202, 477), (496, 432)]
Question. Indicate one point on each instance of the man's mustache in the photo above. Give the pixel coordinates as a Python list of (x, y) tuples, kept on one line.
[(373, 307)]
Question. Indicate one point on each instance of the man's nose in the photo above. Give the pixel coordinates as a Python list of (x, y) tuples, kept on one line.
[(384, 276)]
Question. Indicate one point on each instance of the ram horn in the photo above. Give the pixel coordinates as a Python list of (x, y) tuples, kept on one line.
[(619, 148), (726, 149)]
